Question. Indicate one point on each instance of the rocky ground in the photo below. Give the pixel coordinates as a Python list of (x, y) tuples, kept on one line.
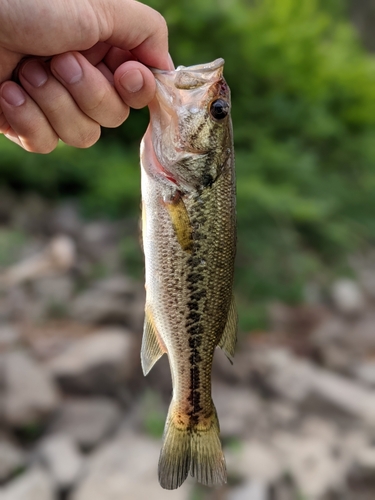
[(80, 422)]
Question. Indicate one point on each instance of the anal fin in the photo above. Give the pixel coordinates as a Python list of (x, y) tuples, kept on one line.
[(229, 337), (152, 346)]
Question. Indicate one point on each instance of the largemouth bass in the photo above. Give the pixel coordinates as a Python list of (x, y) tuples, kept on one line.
[(189, 240)]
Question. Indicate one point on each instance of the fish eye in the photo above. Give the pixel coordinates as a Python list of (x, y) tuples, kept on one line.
[(219, 109)]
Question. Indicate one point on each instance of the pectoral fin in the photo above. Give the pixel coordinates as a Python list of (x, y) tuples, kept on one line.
[(152, 346), (229, 338), (180, 222)]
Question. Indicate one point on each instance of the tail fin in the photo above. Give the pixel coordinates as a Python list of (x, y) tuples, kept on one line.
[(196, 449)]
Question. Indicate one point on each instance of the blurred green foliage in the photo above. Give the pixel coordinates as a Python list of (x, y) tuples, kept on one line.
[(153, 413), (10, 242), (303, 92), (104, 177)]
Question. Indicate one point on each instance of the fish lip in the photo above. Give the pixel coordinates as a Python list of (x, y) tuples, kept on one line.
[(199, 68)]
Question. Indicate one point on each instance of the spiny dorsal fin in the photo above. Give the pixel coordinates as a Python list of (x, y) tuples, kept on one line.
[(229, 338), (152, 347)]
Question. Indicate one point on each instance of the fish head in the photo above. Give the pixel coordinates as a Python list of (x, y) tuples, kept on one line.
[(190, 126)]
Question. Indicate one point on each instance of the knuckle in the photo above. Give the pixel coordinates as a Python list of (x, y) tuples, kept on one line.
[(162, 24), (121, 116), (34, 129), (54, 107), (97, 102), (86, 138), (107, 109)]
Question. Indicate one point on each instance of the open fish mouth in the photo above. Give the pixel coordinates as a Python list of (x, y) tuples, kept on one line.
[(181, 111), (200, 68), (192, 78)]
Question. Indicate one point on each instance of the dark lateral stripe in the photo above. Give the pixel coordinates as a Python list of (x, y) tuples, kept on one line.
[(194, 325)]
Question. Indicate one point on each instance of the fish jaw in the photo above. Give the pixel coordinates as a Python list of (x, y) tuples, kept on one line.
[(189, 143)]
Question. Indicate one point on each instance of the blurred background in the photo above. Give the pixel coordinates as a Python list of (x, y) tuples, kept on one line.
[(297, 409)]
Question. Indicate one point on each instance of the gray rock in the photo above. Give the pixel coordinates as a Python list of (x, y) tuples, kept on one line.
[(118, 285), (251, 490), (98, 233), (30, 213), (340, 344), (365, 372), (56, 258), (98, 363), (367, 279), (323, 429), (287, 375), (311, 463), (63, 460), (364, 267), (297, 380), (282, 414), (87, 421), (285, 490), (35, 484), (255, 460), (345, 394), (331, 331), (65, 220), (99, 241), (240, 372), (54, 289), (365, 459), (238, 409), (29, 392), (300, 319), (362, 339), (12, 459), (354, 442), (337, 358), (348, 297), (9, 335), (115, 300), (126, 468)]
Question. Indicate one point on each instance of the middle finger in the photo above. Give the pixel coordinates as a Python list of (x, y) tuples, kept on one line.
[(72, 125)]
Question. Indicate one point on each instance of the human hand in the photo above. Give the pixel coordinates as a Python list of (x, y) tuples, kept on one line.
[(87, 67)]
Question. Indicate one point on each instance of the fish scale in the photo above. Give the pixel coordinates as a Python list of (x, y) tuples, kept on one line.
[(188, 204)]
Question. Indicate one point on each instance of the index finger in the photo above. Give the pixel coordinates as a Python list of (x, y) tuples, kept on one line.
[(145, 32)]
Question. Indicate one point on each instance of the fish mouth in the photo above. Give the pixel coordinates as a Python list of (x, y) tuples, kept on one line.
[(180, 94), (197, 80), (199, 68)]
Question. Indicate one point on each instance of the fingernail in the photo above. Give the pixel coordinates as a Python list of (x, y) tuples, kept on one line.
[(68, 68), (34, 73), (12, 94), (132, 80)]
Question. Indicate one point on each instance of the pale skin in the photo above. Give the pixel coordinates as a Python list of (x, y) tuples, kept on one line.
[(68, 68)]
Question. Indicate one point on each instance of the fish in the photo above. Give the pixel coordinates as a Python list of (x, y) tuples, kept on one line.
[(189, 242)]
